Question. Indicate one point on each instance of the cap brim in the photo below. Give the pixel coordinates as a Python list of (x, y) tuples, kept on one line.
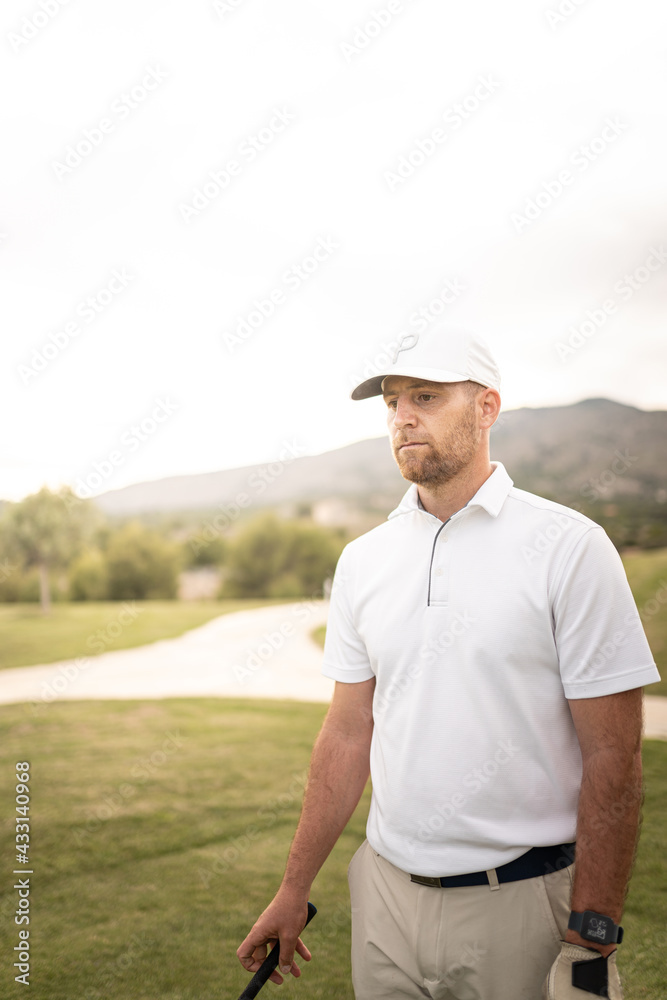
[(373, 386)]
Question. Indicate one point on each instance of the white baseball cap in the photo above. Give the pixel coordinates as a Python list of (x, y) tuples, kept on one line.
[(442, 354)]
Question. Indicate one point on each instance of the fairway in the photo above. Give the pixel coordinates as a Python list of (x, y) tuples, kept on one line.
[(160, 831), (647, 573)]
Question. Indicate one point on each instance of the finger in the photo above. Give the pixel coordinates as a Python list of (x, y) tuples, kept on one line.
[(287, 947), (278, 974), (303, 950), (294, 971), (245, 951), (251, 954), (287, 963), (290, 944)]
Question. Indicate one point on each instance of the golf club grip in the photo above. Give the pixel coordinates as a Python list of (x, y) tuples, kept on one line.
[(269, 964)]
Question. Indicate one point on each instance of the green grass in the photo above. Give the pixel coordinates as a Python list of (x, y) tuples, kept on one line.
[(149, 873), (160, 831), (318, 634), (29, 637), (647, 573)]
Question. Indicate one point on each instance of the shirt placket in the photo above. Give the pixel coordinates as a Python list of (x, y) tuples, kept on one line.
[(438, 583)]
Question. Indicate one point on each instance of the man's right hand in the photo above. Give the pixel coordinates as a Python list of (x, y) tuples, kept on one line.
[(339, 769), (283, 920)]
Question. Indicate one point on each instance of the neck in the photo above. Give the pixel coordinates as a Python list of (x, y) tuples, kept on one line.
[(444, 499)]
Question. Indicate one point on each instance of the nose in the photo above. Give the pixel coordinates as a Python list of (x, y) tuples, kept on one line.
[(404, 414)]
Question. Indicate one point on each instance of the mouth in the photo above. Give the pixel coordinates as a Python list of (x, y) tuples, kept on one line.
[(412, 444)]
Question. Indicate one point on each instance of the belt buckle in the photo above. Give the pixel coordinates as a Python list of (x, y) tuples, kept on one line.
[(426, 880)]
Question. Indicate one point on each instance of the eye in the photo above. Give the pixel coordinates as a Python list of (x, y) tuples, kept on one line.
[(427, 396), (391, 404)]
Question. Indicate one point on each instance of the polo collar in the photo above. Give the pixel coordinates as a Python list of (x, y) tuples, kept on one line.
[(491, 495)]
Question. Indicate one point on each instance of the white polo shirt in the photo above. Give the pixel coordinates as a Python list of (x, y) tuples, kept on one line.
[(477, 631)]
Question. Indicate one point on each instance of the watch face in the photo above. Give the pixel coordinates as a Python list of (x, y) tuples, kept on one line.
[(597, 928)]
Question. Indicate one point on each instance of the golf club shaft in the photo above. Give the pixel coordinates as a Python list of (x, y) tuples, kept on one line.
[(269, 964)]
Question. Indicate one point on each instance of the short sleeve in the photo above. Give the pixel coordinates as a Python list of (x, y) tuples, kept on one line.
[(345, 654), (601, 644)]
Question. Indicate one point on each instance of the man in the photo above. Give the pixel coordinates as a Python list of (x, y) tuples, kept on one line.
[(489, 662)]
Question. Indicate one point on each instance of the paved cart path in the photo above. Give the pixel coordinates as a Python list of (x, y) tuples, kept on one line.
[(261, 653)]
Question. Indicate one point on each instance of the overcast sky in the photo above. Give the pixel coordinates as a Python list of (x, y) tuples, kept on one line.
[(214, 214)]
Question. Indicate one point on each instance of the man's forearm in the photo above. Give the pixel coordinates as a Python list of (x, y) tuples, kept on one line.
[(339, 769), (607, 833)]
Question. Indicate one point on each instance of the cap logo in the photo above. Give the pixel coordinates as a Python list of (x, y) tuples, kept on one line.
[(406, 343)]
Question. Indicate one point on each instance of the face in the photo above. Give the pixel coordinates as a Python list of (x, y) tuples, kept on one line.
[(433, 428)]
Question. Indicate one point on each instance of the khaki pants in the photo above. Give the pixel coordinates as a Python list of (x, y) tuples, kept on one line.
[(468, 943)]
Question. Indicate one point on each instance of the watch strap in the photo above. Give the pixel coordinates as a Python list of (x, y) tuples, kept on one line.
[(576, 923)]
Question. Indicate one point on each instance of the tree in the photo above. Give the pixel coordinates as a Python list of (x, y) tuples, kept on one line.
[(47, 530), (141, 564), (89, 577), (274, 558)]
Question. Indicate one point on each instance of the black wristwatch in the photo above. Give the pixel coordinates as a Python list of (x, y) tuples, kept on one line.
[(594, 926)]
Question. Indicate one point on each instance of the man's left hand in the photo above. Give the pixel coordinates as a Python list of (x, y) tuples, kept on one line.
[(596, 976)]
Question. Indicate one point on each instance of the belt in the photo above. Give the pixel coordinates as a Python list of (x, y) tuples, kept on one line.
[(535, 862)]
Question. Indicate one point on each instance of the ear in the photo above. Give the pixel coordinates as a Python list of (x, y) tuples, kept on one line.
[(489, 402)]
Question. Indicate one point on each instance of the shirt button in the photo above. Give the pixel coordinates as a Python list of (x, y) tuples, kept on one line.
[(438, 571)]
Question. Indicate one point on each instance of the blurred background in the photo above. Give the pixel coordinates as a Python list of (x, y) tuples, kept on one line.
[(216, 219)]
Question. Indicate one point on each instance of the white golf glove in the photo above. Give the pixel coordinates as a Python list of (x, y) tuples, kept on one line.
[(599, 979)]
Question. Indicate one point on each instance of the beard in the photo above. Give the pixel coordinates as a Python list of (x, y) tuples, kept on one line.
[(435, 464)]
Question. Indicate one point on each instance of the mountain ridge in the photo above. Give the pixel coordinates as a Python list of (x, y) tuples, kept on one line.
[(596, 446)]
